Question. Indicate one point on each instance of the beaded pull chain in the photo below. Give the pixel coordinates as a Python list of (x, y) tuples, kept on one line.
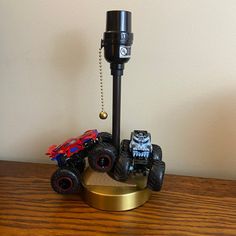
[(102, 115)]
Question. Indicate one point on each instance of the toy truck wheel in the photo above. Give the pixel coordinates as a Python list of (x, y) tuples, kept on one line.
[(76, 162), (156, 176), (102, 157), (105, 137), (122, 167), (125, 145), (80, 165), (156, 153), (65, 181)]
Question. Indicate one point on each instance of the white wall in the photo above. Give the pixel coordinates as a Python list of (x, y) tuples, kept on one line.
[(180, 83)]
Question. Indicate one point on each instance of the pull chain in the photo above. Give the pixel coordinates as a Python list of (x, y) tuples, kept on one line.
[(102, 115)]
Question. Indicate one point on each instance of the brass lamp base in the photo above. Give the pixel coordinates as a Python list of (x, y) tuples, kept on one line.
[(102, 192)]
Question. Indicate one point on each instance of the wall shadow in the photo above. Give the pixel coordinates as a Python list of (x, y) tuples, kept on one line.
[(203, 137)]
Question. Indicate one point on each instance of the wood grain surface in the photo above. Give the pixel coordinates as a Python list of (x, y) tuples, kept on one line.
[(185, 206)]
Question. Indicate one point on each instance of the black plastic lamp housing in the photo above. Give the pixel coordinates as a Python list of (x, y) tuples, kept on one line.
[(118, 38)]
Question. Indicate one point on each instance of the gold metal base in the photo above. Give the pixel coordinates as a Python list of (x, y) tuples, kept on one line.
[(102, 192)]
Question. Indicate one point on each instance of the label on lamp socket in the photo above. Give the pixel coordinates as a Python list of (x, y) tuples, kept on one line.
[(125, 51)]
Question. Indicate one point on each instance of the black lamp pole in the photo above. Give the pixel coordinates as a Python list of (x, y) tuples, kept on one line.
[(117, 41), (116, 108)]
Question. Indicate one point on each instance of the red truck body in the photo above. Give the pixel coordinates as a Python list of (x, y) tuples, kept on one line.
[(72, 145)]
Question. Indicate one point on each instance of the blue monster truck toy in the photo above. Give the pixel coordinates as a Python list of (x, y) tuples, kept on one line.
[(139, 156)]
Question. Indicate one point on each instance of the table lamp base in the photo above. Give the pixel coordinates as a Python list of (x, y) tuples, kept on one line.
[(102, 192)]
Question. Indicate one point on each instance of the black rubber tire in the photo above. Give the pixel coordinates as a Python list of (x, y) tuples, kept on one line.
[(156, 176), (156, 152), (80, 165), (105, 137), (122, 167), (75, 162), (66, 181), (125, 145), (102, 157)]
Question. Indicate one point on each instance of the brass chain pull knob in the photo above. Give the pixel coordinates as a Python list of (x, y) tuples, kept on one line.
[(103, 115)]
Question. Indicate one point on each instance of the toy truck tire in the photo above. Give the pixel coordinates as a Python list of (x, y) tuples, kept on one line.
[(75, 162), (156, 152), (125, 145), (66, 181), (102, 157), (156, 176), (105, 137), (79, 163), (122, 167)]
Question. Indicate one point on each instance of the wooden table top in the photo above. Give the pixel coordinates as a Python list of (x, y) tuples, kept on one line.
[(185, 206)]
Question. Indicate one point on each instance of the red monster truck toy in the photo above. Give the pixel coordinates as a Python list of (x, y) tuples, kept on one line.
[(70, 157)]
